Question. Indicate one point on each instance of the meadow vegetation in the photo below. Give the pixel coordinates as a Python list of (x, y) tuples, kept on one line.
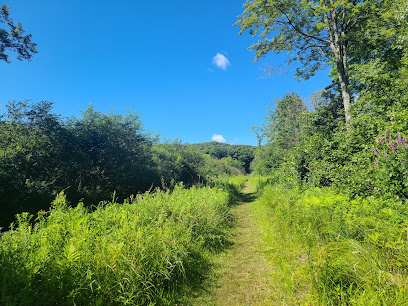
[(336, 250), (137, 220), (150, 250), (92, 157), (331, 180)]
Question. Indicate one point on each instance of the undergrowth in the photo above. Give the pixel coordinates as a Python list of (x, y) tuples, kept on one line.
[(150, 251), (352, 252), (232, 185)]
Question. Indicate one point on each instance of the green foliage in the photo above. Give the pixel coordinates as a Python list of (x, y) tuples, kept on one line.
[(267, 158), (242, 153), (292, 26), (137, 253), (380, 77), (353, 234), (113, 153), (232, 185), (33, 143), (284, 121), (350, 36), (92, 157), (212, 167), (356, 249), (12, 38), (386, 176), (176, 162), (283, 130)]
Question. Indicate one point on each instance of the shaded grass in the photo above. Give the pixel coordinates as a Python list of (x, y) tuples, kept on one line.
[(232, 185)]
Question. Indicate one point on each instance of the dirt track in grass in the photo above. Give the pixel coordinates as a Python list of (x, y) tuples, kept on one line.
[(243, 275)]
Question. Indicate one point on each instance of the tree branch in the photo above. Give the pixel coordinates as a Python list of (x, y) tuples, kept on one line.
[(299, 30)]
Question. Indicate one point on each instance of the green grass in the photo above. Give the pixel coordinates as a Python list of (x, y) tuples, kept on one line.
[(232, 185), (349, 251), (284, 249), (151, 251)]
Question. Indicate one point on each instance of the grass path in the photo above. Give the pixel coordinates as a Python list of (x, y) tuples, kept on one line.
[(243, 273)]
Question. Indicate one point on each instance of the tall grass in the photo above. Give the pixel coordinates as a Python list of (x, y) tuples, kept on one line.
[(232, 185), (354, 251), (283, 248), (138, 253)]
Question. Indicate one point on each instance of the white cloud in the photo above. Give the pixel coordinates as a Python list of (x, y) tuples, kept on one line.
[(221, 61), (218, 138)]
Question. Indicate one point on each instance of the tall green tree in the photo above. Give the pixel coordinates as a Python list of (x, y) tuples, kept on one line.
[(316, 33), (12, 38), (381, 78), (112, 153), (285, 121)]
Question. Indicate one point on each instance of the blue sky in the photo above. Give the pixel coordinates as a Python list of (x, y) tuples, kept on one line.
[(153, 57)]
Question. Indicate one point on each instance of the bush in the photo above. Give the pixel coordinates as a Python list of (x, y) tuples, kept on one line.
[(388, 170)]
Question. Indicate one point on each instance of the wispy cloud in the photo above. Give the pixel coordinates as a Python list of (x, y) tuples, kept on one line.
[(221, 61), (235, 140), (218, 138)]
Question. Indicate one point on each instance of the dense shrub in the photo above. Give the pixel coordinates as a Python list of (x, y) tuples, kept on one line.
[(92, 157)]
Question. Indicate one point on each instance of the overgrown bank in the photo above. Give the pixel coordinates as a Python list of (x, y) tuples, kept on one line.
[(154, 249), (332, 250)]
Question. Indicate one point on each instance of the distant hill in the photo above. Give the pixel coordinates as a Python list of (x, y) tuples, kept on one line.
[(242, 153)]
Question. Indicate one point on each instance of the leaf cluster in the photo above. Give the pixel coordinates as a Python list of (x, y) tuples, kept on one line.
[(12, 38)]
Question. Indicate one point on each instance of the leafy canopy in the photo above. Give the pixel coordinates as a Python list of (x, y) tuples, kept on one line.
[(12, 38), (307, 30)]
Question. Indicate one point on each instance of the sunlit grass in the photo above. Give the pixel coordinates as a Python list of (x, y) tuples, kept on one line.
[(134, 253), (330, 250), (283, 249)]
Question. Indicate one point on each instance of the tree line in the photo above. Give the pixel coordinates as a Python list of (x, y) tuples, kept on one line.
[(93, 157)]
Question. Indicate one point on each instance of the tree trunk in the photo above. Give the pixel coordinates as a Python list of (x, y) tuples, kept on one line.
[(339, 48), (345, 89)]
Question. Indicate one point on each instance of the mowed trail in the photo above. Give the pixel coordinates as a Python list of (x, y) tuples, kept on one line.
[(243, 277)]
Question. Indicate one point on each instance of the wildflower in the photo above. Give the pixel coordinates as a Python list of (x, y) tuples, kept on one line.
[(375, 151), (399, 144), (381, 140)]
